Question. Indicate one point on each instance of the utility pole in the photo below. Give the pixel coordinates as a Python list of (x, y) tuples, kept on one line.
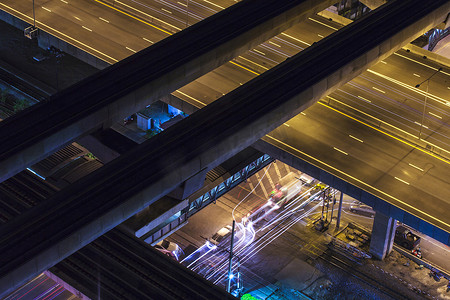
[(426, 96), (230, 263)]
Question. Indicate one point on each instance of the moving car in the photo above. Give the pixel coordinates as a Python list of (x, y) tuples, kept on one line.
[(221, 235), (278, 195), (256, 214), (405, 238), (362, 209)]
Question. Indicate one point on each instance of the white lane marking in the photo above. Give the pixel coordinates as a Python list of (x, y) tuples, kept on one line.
[(131, 49), (388, 124), (303, 113), (433, 114), (367, 100), (383, 62), (63, 1), (270, 42), (104, 20), (141, 12), (285, 124), (405, 182), (421, 124), (416, 74), (221, 7), (340, 150), (184, 4), (416, 167), (377, 89), (359, 140), (320, 35), (323, 24), (46, 9), (77, 18), (295, 39), (166, 10), (148, 40), (259, 52), (88, 29)]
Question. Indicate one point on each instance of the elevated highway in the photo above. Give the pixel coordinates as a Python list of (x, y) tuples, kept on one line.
[(215, 133), (115, 266), (137, 81)]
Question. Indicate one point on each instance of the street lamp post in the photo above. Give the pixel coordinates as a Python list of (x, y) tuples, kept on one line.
[(230, 262), (426, 97), (187, 13), (34, 17)]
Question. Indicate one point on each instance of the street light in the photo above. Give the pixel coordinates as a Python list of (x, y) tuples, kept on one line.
[(31, 32), (230, 261), (187, 12), (425, 102), (34, 16)]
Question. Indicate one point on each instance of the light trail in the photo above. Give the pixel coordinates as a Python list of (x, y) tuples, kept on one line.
[(279, 218), (411, 88), (251, 192)]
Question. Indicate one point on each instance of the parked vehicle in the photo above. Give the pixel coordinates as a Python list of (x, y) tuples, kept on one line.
[(221, 235), (170, 249), (306, 179), (405, 238), (362, 209), (417, 252)]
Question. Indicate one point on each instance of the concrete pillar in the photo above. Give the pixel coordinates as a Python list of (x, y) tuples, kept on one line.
[(383, 233), (338, 222), (100, 150), (373, 4), (190, 186)]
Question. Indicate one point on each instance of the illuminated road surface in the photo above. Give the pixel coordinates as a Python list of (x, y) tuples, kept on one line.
[(211, 261)]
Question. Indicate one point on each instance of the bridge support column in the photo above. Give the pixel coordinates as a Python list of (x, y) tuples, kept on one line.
[(383, 233), (338, 222), (100, 150), (190, 186)]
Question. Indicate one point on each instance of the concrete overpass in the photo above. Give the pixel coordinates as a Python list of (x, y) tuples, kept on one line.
[(135, 82), (217, 132)]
